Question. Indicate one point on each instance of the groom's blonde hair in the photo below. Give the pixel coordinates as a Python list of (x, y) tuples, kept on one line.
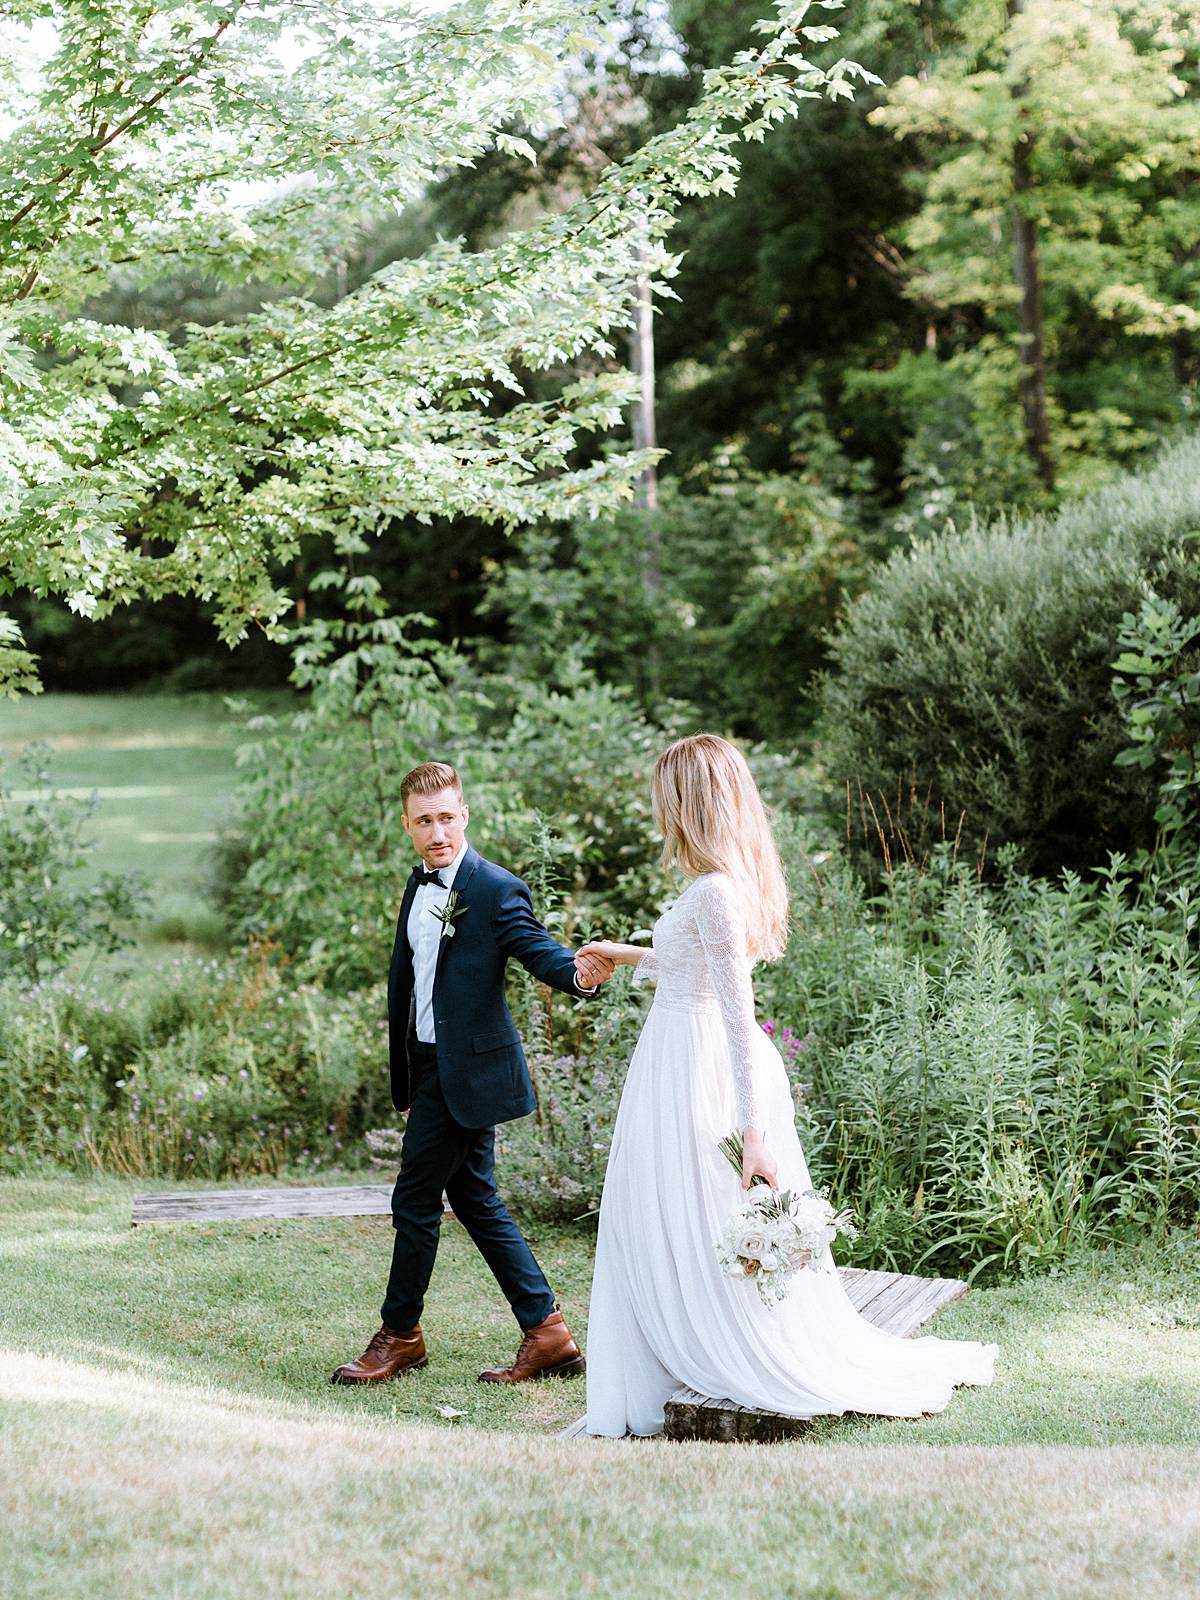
[(428, 778), (712, 819)]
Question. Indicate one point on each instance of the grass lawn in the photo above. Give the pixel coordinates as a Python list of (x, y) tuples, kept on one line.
[(167, 1429), (164, 766)]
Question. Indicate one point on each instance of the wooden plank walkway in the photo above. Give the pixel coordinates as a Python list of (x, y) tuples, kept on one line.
[(222, 1205), (894, 1301)]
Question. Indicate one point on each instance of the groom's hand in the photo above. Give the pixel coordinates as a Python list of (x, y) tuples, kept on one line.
[(591, 970)]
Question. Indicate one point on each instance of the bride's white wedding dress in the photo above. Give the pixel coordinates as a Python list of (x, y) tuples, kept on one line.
[(663, 1315)]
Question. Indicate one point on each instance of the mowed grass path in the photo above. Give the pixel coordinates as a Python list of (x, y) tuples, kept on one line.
[(164, 767), (167, 1428)]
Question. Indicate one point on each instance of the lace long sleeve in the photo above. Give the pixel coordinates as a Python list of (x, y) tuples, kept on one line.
[(722, 934), (646, 968)]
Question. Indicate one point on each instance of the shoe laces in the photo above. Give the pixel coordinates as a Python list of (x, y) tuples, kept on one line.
[(380, 1341)]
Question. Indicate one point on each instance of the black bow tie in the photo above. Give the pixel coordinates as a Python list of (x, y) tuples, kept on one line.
[(422, 876)]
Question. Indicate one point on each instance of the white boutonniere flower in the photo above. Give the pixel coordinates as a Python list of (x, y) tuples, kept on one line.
[(447, 913)]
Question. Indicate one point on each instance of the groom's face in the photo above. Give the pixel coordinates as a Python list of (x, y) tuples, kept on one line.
[(436, 823)]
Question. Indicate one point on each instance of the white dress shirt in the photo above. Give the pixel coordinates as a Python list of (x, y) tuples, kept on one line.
[(424, 936)]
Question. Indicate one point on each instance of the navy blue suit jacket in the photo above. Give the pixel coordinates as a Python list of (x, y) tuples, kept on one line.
[(481, 1065)]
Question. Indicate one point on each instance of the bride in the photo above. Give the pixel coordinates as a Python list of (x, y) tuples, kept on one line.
[(663, 1314)]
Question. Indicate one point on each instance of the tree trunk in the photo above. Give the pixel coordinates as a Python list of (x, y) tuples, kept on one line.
[(1031, 383), (641, 359), (645, 437)]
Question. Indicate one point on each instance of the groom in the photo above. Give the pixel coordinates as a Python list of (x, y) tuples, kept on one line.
[(457, 1070)]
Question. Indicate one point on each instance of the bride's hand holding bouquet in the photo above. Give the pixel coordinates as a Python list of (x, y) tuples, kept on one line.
[(773, 1235), (757, 1161)]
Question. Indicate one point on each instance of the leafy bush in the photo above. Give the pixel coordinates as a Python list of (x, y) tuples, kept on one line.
[(994, 1074), (320, 856), (748, 577), (215, 1068), (1158, 686), (46, 912), (319, 850), (977, 670)]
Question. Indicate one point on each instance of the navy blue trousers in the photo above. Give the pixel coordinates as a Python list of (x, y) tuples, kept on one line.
[(439, 1154)]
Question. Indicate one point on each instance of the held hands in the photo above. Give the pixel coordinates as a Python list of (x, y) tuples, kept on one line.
[(757, 1160), (592, 967), (606, 950)]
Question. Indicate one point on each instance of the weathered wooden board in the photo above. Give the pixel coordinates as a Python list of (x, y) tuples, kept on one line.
[(221, 1205), (893, 1301)]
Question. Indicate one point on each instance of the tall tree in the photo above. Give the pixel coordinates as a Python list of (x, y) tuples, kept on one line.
[(1059, 211)]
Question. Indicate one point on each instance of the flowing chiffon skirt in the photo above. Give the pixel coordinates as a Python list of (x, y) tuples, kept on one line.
[(663, 1315)]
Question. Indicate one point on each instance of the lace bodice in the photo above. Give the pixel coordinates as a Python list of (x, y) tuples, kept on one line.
[(698, 956)]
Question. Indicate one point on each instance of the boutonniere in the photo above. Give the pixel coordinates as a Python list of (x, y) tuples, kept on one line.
[(447, 913)]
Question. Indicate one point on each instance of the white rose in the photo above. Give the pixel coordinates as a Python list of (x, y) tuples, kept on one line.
[(752, 1244)]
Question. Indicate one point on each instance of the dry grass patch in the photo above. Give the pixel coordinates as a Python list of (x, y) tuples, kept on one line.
[(114, 1483)]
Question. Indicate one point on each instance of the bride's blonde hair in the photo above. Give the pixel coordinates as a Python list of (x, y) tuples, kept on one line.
[(712, 819)]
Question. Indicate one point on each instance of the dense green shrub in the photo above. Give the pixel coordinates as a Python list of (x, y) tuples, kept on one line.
[(975, 674), (1157, 685)]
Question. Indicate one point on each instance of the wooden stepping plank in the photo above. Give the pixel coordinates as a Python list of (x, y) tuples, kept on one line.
[(938, 1292), (894, 1301), (222, 1205)]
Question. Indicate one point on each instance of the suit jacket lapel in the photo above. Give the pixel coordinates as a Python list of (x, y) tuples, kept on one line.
[(466, 871), (403, 948)]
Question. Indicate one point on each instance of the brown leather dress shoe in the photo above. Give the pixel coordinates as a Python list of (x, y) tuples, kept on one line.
[(547, 1351), (388, 1354)]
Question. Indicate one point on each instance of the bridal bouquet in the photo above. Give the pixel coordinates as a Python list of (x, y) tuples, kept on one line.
[(774, 1234)]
